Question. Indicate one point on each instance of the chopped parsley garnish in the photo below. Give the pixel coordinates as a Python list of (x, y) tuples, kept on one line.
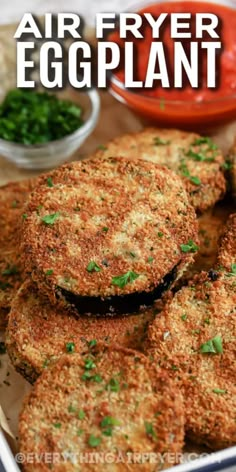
[(160, 142), (81, 414), (186, 173), (113, 385), (205, 140), (89, 364), (94, 441), (32, 117), (149, 429), (87, 375), (93, 267), (220, 391), (199, 156), (71, 409), (184, 317), (233, 271), (70, 347), (49, 182), (102, 147), (57, 425), (122, 280), (79, 432), (2, 348), (213, 346), (105, 229), (159, 234), (50, 219), (150, 259), (107, 424), (92, 343), (49, 272), (227, 165), (189, 247), (24, 216), (10, 270)]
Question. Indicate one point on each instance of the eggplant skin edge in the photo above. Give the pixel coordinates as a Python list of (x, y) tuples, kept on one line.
[(117, 304)]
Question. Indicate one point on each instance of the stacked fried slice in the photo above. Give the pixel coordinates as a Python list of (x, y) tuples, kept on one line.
[(194, 339), (12, 200), (110, 401), (196, 159)]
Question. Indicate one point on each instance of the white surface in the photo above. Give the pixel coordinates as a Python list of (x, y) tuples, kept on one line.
[(13, 10)]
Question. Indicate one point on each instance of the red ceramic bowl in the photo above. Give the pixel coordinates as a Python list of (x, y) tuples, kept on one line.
[(181, 113)]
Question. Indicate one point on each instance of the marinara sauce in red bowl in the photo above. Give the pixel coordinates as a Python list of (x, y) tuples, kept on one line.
[(186, 106)]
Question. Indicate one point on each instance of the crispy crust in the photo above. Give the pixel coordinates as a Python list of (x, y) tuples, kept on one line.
[(12, 200), (211, 227), (144, 145), (143, 396), (195, 315), (37, 333), (146, 215), (227, 250)]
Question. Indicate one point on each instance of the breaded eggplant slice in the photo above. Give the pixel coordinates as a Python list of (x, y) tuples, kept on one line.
[(12, 199), (38, 334), (196, 159), (211, 227), (194, 339), (227, 250), (107, 229), (110, 401)]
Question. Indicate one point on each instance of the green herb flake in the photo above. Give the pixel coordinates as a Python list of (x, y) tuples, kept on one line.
[(233, 271), (185, 172), (161, 142), (150, 430), (50, 182), (71, 408), (213, 346), (70, 347), (219, 391), (81, 414), (24, 216), (92, 343), (184, 317), (102, 147), (189, 247), (10, 270), (105, 229), (49, 272), (122, 280), (159, 234), (150, 259), (113, 385), (195, 180), (109, 421), (93, 267), (94, 441), (50, 219), (57, 425), (89, 364), (227, 165), (79, 431)]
